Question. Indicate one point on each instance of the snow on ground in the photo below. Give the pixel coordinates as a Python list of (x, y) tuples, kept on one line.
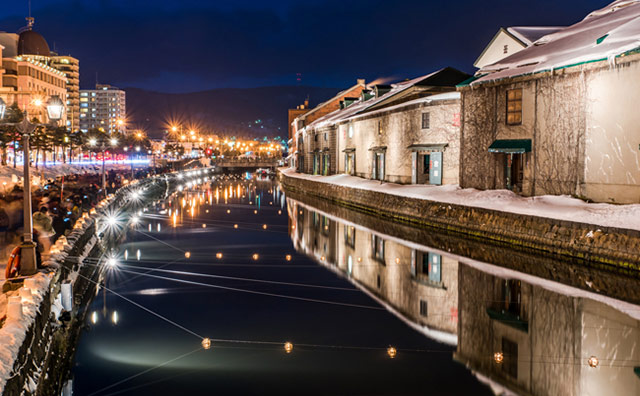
[(560, 207)]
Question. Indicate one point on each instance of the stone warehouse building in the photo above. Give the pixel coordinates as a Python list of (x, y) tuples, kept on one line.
[(303, 158), (560, 117), (403, 133)]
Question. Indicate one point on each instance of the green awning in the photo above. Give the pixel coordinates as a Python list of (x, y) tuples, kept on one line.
[(428, 147), (510, 146)]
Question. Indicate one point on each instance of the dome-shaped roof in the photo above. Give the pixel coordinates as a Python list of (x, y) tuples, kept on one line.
[(32, 43)]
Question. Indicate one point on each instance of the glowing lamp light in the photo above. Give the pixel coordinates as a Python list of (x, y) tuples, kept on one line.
[(359, 259), (112, 262), (264, 226), (279, 212), (187, 254), (218, 255), (204, 226), (255, 256), (206, 343), (293, 227), (114, 142), (288, 347), (235, 226), (228, 210), (288, 257), (114, 317), (37, 102), (397, 260), (93, 142), (392, 352), (255, 212), (498, 357), (322, 258), (593, 361)]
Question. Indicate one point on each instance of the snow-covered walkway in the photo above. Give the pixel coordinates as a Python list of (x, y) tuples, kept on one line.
[(550, 206)]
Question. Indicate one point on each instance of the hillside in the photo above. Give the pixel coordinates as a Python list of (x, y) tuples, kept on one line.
[(229, 111)]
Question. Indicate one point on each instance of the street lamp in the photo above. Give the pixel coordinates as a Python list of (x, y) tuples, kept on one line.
[(55, 110)]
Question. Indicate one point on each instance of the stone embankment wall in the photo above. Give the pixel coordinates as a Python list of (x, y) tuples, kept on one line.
[(610, 246), (39, 349)]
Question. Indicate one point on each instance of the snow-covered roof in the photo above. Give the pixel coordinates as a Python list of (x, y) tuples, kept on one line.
[(603, 34), (395, 93), (529, 34), (427, 99), (323, 104)]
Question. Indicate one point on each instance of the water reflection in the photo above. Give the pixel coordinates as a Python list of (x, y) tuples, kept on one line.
[(517, 332)]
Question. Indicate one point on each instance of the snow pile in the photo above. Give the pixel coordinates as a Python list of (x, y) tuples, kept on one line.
[(550, 206), (603, 34), (13, 332)]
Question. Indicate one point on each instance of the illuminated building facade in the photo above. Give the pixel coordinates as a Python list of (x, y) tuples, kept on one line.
[(102, 108), (70, 66)]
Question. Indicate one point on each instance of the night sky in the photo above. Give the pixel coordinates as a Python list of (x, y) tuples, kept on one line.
[(193, 45)]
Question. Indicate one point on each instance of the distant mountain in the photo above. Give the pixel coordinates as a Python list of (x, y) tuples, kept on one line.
[(230, 111)]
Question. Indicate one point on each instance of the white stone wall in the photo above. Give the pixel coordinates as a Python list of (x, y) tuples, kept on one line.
[(397, 130)]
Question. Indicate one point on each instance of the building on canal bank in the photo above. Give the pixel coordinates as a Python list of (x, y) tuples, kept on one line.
[(303, 159), (559, 117), (406, 132)]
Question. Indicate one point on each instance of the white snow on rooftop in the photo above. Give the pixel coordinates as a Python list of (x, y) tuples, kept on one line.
[(360, 107), (530, 34), (603, 34)]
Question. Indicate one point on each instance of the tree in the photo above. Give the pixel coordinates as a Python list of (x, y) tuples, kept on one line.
[(9, 133)]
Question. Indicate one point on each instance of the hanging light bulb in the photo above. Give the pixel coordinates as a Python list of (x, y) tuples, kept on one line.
[(255, 256), (392, 352), (204, 226), (264, 226), (593, 361), (206, 343), (288, 257), (235, 226), (498, 357), (218, 255), (187, 254), (288, 347)]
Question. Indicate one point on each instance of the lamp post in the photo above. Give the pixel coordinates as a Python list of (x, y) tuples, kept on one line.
[(103, 147), (55, 109)]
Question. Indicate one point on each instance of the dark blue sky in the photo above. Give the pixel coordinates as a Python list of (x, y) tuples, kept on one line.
[(192, 45)]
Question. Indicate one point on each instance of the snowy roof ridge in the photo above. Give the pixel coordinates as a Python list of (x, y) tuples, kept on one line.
[(326, 102), (361, 106), (603, 34), (530, 34)]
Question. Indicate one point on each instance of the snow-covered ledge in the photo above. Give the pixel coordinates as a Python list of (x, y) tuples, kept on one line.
[(555, 207), (558, 225)]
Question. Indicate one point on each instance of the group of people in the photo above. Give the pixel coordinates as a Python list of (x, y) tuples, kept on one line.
[(56, 207)]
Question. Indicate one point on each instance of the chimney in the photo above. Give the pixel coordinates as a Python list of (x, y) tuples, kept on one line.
[(360, 81), (306, 103)]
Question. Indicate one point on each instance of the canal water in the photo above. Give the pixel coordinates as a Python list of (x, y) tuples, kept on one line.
[(367, 307)]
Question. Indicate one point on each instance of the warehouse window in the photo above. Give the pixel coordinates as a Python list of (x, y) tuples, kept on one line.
[(514, 107)]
